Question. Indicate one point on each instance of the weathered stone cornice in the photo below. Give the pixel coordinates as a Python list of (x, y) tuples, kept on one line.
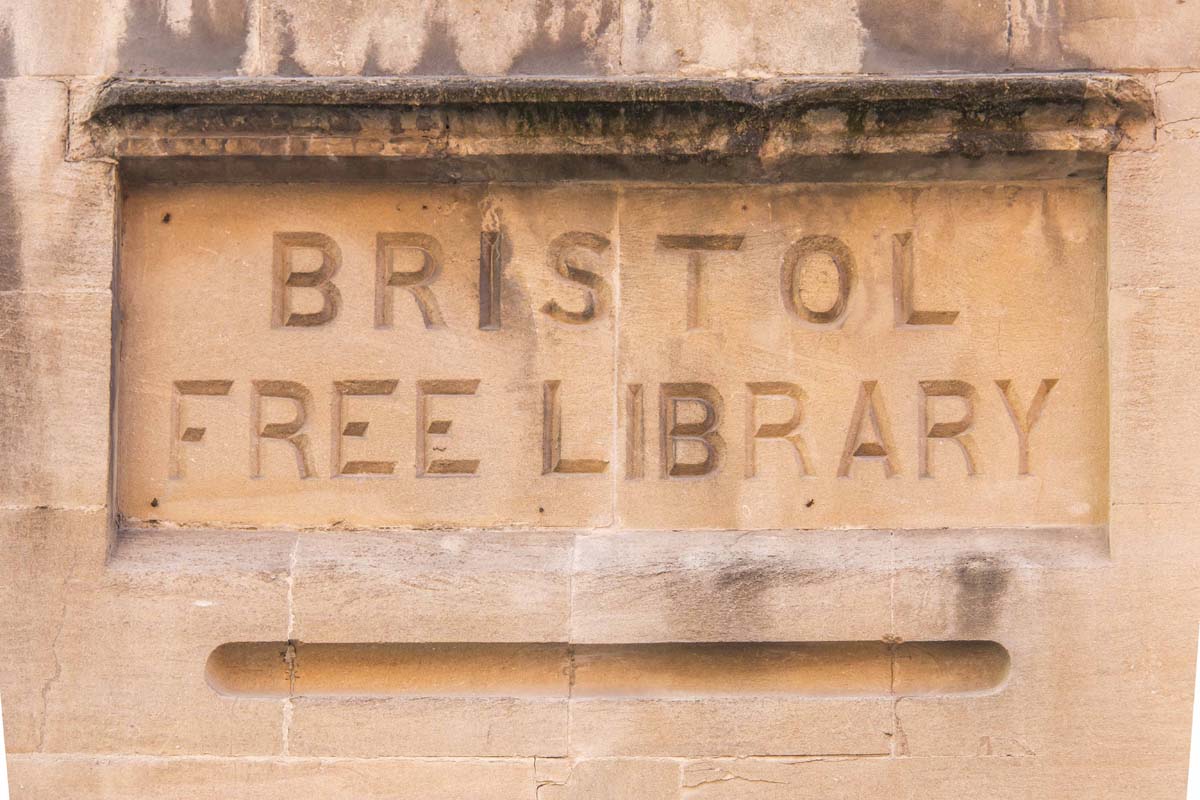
[(761, 125), (969, 93)]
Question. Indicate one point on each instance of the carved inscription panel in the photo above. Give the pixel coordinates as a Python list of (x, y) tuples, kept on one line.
[(798, 356)]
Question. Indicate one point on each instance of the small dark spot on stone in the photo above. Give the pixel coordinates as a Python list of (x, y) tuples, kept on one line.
[(154, 503), (541, 510), (166, 218), (424, 208), (745, 208), (809, 504)]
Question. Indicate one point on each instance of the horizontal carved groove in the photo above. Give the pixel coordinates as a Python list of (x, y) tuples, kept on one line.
[(658, 670)]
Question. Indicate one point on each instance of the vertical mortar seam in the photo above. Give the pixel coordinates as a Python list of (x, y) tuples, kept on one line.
[(258, 61), (286, 722), (621, 38), (570, 641), (260, 35), (893, 636), (616, 358), (1008, 19)]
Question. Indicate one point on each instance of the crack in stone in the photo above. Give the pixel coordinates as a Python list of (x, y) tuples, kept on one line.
[(45, 691)]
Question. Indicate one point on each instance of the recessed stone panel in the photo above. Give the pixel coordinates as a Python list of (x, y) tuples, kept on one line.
[(650, 357)]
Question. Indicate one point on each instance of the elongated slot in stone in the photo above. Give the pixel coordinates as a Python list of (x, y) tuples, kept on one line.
[(663, 670)]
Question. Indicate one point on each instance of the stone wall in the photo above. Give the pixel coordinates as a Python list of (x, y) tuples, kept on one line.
[(107, 630)]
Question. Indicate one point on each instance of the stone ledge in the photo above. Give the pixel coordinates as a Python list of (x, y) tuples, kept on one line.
[(763, 124), (963, 92)]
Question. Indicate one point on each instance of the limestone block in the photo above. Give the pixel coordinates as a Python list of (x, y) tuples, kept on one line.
[(444, 726), (809, 778), (1151, 670), (46, 557), (989, 317), (214, 37), (468, 586), (63, 37), (1155, 439), (1104, 34), (861, 778), (1128, 34), (615, 779), (103, 37), (1178, 104), (1152, 257), (730, 726), (54, 416), (58, 222), (1048, 606), (353, 37), (56, 230), (717, 37), (911, 36), (132, 647), (1071, 778), (549, 772), (1011, 589), (124, 778), (1153, 210), (731, 586), (436, 416), (962, 580)]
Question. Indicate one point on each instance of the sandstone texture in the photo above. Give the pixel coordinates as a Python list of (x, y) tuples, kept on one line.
[(598, 399)]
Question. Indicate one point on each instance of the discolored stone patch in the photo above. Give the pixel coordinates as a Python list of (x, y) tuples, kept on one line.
[(208, 39), (447, 37), (911, 36)]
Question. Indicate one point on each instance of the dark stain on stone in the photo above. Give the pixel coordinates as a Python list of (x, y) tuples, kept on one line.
[(645, 18), (913, 36), (288, 66), (10, 231), (440, 56), (22, 422), (977, 144), (982, 583), (212, 45), (370, 67), (22, 418), (573, 51), (8, 55), (734, 593)]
